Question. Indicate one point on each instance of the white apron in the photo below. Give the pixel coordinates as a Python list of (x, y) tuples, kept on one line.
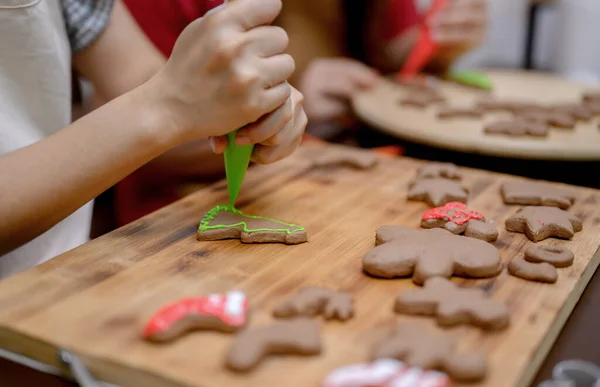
[(35, 102)]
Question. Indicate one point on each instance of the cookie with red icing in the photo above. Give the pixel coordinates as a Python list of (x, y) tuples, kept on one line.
[(221, 312), (458, 219), (385, 373)]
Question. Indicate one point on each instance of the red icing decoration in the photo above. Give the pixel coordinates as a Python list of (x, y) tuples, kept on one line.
[(230, 308), (454, 212)]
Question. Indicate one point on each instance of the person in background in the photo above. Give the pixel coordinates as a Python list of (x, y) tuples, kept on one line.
[(340, 47), (226, 71)]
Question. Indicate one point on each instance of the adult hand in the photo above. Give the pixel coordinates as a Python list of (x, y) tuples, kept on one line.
[(227, 69), (328, 85)]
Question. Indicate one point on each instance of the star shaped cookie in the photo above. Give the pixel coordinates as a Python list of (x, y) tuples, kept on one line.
[(518, 128), (437, 191), (422, 254), (541, 222), (438, 169)]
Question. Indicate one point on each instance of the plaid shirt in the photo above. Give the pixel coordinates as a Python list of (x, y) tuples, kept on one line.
[(85, 20)]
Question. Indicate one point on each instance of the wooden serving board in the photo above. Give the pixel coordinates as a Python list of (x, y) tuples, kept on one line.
[(381, 108), (94, 300)]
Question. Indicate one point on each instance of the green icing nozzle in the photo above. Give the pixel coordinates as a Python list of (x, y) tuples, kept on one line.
[(237, 158), (470, 78)]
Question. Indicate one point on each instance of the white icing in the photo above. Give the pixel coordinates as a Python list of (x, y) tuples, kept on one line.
[(234, 303), (362, 375), (409, 378)]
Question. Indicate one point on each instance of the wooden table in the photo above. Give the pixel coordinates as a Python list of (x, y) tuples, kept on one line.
[(381, 109), (95, 299)]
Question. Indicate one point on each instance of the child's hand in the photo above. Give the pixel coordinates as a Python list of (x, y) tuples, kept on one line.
[(287, 122), (457, 28), (227, 69), (328, 84)]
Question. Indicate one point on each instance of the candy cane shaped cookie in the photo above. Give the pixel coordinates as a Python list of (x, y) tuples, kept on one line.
[(221, 312)]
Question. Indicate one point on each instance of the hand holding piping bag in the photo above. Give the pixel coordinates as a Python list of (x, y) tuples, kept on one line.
[(275, 134)]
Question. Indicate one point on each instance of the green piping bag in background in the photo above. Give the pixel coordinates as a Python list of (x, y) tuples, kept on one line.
[(470, 78)]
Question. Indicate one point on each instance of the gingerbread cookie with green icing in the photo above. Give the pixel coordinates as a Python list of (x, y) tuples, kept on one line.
[(226, 222)]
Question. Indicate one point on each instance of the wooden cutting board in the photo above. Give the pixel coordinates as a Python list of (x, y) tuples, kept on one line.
[(95, 299), (381, 108)]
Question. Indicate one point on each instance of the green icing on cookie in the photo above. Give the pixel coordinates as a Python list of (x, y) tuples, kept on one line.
[(213, 213)]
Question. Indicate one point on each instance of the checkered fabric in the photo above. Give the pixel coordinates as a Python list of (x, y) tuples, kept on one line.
[(85, 20)]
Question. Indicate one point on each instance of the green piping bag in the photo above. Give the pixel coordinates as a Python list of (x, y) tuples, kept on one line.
[(470, 78), (237, 158)]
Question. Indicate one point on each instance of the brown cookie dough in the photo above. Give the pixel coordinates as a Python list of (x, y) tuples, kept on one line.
[(593, 107), (538, 272), (311, 301), (457, 218), (352, 158), (299, 336), (540, 222), (558, 256), (438, 169), (536, 193), (224, 222), (517, 127), (437, 191), (422, 254), (497, 105), (429, 349), (447, 112), (452, 305)]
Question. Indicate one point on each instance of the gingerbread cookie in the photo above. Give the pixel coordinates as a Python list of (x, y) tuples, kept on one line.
[(221, 312), (437, 170), (385, 373), (457, 218), (517, 127), (496, 105), (536, 193), (578, 112), (557, 256), (422, 99), (292, 337), (591, 97), (437, 191), (479, 229), (422, 254), (424, 348), (311, 301), (447, 112), (541, 222), (351, 158), (539, 272), (452, 305), (225, 222), (552, 118)]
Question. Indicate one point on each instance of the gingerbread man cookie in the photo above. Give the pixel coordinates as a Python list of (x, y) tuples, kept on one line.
[(536, 193), (311, 301), (439, 170), (292, 337), (422, 254), (222, 312), (457, 218), (541, 222), (452, 305), (226, 222), (437, 191), (385, 373), (421, 347)]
